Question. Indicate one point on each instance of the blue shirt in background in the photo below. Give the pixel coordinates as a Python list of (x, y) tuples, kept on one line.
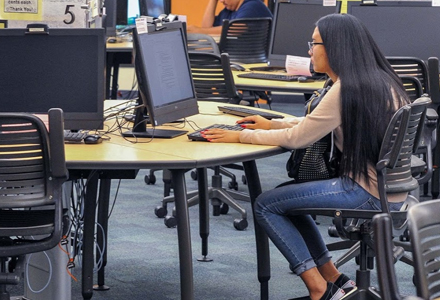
[(249, 9)]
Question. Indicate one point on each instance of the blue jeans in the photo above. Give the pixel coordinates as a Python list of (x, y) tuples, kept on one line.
[(297, 237)]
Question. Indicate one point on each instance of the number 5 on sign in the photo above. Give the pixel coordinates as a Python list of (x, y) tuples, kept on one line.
[(21, 10)]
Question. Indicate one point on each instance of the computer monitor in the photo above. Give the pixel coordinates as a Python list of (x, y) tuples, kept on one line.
[(61, 67), (164, 77), (127, 11), (154, 8), (401, 28), (292, 27)]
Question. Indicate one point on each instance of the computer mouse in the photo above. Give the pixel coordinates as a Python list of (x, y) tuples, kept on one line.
[(246, 122), (305, 79), (111, 40), (237, 67), (93, 139)]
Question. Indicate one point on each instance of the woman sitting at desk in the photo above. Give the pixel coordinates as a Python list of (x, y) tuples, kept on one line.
[(358, 107)]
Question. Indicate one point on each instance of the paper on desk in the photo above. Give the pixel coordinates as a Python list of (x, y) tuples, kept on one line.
[(298, 65)]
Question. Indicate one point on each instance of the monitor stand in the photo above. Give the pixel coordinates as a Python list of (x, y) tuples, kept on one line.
[(140, 129)]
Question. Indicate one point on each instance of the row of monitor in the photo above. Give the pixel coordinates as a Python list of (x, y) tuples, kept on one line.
[(66, 66), (400, 28)]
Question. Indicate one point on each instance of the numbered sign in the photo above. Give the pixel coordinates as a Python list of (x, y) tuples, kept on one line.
[(55, 13)]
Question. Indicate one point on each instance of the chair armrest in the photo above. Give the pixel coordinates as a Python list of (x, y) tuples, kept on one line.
[(56, 143)]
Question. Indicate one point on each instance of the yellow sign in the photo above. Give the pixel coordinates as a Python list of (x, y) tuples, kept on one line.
[(31, 10)]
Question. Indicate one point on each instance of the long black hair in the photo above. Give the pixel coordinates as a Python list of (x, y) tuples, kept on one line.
[(367, 81)]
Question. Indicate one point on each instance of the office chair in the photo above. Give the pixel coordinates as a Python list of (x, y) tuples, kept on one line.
[(246, 41), (422, 168), (213, 81), (394, 175), (424, 228), (32, 170), (198, 42), (413, 67), (389, 254)]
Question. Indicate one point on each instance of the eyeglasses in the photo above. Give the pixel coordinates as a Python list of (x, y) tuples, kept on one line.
[(312, 44)]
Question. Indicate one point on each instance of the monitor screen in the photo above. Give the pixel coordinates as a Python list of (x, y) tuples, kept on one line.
[(126, 12), (110, 17), (164, 75), (402, 28), (154, 8), (63, 69), (292, 27)]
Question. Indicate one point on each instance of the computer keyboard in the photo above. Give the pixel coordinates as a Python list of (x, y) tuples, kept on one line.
[(197, 135), (270, 76), (74, 136), (244, 112)]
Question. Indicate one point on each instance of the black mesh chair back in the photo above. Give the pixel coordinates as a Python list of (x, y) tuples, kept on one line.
[(32, 170), (246, 40), (212, 77), (389, 254), (198, 42), (411, 66), (424, 228), (413, 87)]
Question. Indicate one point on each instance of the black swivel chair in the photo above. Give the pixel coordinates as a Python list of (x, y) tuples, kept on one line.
[(246, 41), (198, 42), (424, 228), (389, 254), (394, 176), (32, 170)]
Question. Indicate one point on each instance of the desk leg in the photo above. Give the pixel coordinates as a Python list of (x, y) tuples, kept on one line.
[(88, 238), (103, 207), (262, 241), (183, 235), (108, 73), (202, 180)]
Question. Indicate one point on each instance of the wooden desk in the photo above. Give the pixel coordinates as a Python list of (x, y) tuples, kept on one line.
[(273, 85), (178, 155)]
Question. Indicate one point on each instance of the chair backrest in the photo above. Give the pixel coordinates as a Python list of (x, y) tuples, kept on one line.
[(212, 77), (400, 142), (413, 87), (386, 273), (411, 66), (424, 229), (246, 40), (198, 42), (32, 170)]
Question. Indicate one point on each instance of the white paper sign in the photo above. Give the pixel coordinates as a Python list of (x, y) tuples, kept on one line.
[(329, 3), (141, 25), (298, 65)]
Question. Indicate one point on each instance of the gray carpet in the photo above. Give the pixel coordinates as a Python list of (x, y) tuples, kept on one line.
[(143, 257)]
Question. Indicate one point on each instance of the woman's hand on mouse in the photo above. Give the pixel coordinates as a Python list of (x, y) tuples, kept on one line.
[(256, 122)]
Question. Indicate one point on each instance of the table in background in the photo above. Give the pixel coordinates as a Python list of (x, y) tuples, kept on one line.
[(273, 85), (119, 154)]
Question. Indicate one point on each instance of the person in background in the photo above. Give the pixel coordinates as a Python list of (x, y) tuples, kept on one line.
[(234, 9), (358, 107)]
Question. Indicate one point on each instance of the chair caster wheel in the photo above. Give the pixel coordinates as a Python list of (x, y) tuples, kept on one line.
[(170, 221), (224, 209), (150, 179), (244, 179), (240, 224), (193, 175), (233, 185), (160, 211)]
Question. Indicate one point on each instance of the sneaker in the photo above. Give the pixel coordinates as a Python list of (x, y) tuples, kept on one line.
[(345, 283)]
